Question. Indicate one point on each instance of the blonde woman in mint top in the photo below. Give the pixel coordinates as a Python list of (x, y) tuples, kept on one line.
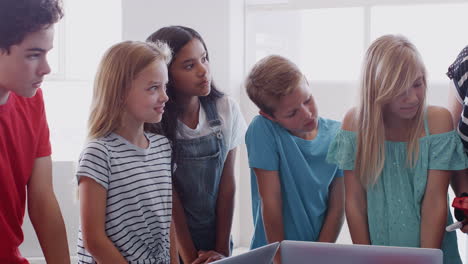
[(397, 154)]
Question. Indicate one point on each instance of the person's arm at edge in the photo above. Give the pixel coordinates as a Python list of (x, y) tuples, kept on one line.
[(225, 205), (335, 212), (44, 212), (269, 187), (434, 209), (174, 254), (355, 196), (93, 216), (459, 181)]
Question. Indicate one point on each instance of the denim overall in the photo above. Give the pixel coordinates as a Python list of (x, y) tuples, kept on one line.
[(200, 163)]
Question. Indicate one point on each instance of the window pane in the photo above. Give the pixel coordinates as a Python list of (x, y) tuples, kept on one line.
[(78, 48), (332, 43), (320, 43), (89, 37), (437, 30), (53, 56)]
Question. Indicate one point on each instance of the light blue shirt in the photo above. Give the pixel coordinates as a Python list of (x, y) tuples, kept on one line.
[(304, 174)]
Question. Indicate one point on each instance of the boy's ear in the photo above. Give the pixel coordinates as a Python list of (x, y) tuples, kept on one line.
[(267, 116)]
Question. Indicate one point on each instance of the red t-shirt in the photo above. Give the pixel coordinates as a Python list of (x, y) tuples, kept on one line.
[(24, 136)]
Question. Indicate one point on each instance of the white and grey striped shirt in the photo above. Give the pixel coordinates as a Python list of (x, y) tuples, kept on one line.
[(458, 73), (139, 195)]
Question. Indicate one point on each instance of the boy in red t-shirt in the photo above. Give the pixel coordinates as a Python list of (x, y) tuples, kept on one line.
[(26, 35)]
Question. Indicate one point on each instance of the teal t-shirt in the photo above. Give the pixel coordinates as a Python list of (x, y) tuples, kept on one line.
[(304, 174), (394, 202)]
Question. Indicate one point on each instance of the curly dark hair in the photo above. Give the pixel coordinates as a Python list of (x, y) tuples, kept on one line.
[(18, 18)]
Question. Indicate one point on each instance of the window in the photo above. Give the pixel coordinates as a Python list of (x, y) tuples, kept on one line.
[(435, 29), (317, 40), (86, 31)]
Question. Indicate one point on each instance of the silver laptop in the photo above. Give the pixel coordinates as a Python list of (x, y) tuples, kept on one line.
[(261, 255), (298, 252)]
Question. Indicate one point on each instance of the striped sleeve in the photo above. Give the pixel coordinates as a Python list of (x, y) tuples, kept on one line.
[(458, 73), (94, 163)]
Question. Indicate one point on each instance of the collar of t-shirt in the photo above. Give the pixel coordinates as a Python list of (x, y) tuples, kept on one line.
[(7, 105), (202, 129)]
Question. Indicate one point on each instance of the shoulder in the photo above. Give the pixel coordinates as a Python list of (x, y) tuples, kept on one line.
[(229, 111), (159, 141), (106, 145), (463, 53), (260, 122), (459, 65), (158, 138), (261, 127), (350, 120), (223, 102), (227, 105), (439, 119), (329, 124), (97, 145)]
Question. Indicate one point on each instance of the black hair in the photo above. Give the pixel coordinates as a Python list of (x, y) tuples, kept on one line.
[(177, 37), (18, 18)]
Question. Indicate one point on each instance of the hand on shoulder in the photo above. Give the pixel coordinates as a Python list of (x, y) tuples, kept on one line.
[(439, 119)]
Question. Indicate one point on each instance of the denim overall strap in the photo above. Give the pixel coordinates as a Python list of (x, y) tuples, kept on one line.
[(211, 112), (200, 163)]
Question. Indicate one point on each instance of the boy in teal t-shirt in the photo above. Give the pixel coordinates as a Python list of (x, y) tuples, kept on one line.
[(296, 194)]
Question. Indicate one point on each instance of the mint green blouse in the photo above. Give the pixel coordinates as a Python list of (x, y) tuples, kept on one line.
[(394, 202)]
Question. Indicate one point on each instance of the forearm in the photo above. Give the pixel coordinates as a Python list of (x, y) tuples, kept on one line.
[(102, 249), (335, 212), (356, 215), (459, 182), (173, 245), (356, 209), (224, 214), (185, 246), (433, 222), (47, 221), (332, 225), (273, 225), (225, 205), (273, 222)]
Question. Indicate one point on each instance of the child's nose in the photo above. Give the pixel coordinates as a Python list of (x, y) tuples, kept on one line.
[(202, 70), (163, 97), (412, 97), (44, 68), (306, 111)]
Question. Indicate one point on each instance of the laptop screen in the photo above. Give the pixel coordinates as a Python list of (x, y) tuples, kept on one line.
[(298, 252), (261, 255)]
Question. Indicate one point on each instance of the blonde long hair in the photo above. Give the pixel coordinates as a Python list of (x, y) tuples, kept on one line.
[(119, 66), (390, 67)]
